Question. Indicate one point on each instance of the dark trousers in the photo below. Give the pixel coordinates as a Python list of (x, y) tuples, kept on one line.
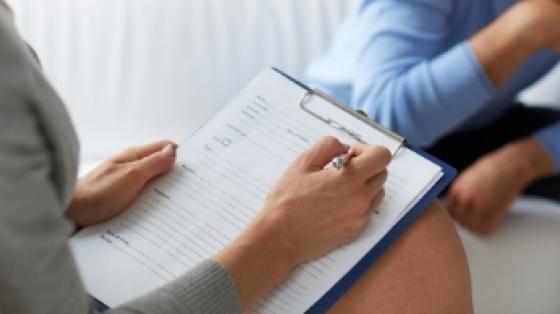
[(462, 149)]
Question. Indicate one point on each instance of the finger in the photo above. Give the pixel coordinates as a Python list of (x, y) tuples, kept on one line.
[(485, 221), (460, 209), (139, 152), (157, 163), (376, 201), (370, 160), (455, 202), (468, 216), (475, 223), (452, 205), (323, 152), (375, 184), (490, 224)]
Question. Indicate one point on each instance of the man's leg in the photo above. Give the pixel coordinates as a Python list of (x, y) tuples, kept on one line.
[(425, 271), (464, 148)]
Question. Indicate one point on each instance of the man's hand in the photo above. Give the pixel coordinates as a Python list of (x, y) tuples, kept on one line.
[(483, 194), (308, 213), (114, 185)]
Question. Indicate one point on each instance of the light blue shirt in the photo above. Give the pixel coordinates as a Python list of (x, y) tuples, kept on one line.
[(409, 66)]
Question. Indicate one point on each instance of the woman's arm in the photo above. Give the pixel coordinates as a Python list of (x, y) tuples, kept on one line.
[(308, 213), (37, 272)]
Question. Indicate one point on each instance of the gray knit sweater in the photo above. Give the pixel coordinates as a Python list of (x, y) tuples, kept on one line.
[(38, 164)]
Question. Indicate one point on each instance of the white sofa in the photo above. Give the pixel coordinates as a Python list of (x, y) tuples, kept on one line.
[(132, 71)]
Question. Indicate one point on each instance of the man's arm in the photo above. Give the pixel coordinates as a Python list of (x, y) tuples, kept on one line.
[(408, 79), (482, 195), (503, 46)]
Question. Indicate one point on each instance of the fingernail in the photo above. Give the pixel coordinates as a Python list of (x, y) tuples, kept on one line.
[(169, 149)]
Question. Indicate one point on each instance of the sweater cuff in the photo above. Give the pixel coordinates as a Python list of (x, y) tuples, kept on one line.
[(208, 288), (550, 140)]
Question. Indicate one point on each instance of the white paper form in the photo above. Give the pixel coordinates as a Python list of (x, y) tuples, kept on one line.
[(219, 184)]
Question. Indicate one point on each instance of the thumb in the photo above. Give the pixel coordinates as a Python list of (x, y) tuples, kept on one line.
[(157, 163), (323, 152)]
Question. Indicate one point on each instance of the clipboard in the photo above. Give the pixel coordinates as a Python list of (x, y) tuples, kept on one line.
[(449, 173)]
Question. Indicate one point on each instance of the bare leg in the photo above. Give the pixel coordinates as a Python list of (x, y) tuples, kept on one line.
[(424, 272)]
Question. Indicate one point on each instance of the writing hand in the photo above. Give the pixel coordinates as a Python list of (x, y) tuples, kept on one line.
[(309, 212)]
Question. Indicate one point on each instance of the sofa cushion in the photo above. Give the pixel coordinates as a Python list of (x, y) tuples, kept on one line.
[(516, 271)]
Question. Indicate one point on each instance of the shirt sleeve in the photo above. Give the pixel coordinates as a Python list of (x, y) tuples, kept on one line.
[(550, 139), (407, 79)]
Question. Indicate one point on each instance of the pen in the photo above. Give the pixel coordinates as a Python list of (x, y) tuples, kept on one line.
[(340, 161)]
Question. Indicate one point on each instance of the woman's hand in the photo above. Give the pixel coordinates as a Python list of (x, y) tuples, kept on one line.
[(112, 187), (320, 210), (308, 213)]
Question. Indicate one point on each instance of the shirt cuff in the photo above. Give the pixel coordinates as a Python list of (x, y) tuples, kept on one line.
[(461, 80), (446, 93), (550, 140)]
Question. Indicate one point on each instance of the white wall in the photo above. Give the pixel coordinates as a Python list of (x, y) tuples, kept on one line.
[(136, 70)]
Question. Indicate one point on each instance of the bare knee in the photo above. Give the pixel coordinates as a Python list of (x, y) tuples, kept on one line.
[(425, 271)]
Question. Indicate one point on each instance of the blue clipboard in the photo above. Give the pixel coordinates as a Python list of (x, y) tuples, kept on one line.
[(329, 298), (449, 173)]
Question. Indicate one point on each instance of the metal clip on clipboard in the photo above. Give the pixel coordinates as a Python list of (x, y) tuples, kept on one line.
[(360, 116)]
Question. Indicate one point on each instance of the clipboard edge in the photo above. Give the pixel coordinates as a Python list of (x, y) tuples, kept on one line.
[(336, 291), (339, 105), (449, 173)]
